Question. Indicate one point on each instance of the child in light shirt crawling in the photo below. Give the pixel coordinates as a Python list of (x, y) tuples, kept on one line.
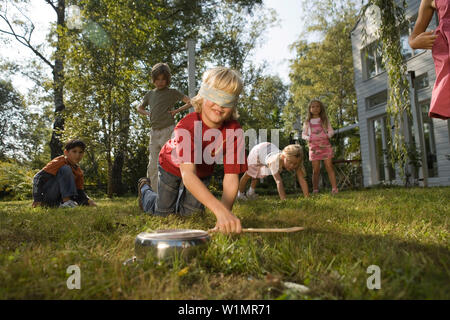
[(266, 159)]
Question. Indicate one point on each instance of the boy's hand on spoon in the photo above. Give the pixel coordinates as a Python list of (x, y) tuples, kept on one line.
[(227, 223)]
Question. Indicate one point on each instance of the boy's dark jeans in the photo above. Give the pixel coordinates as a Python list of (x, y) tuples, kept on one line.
[(59, 187), (172, 197)]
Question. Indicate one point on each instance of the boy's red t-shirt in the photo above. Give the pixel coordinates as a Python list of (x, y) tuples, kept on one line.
[(223, 145)]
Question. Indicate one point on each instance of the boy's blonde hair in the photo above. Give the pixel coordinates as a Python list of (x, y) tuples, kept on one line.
[(323, 114), (161, 69), (294, 151), (223, 79)]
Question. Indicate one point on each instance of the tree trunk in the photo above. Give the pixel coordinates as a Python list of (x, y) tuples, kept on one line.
[(119, 156), (56, 145), (117, 184), (110, 178)]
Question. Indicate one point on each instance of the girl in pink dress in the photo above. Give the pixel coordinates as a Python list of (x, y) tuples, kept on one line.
[(438, 41), (317, 131)]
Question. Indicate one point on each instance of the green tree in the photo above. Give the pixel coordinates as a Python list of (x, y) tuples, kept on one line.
[(21, 130), (13, 117), (101, 72), (233, 34), (18, 25), (261, 105)]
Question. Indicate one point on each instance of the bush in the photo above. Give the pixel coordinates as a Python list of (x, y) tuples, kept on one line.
[(16, 181)]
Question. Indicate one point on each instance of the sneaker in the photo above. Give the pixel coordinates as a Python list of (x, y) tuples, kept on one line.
[(334, 191), (242, 197), (316, 191), (142, 182), (68, 204)]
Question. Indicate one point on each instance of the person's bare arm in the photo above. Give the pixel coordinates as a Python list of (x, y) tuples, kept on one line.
[(280, 186), (141, 109), (187, 105), (305, 132), (420, 39), (186, 99), (230, 188), (227, 222), (303, 183)]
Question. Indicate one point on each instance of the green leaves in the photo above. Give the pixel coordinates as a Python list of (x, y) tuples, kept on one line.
[(392, 16), (16, 182)]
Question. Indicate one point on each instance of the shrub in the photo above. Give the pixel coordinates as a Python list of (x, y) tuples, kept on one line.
[(16, 181)]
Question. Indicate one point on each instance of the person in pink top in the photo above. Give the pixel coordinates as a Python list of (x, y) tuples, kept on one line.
[(438, 41), (317, 131)]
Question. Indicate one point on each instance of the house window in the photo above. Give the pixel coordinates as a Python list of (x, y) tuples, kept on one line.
[(376, 100), (372, 59), (430, 142), (422, 82), (405, 32), (384, 169)]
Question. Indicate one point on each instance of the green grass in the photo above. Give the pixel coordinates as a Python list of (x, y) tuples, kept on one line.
[(403, 231)]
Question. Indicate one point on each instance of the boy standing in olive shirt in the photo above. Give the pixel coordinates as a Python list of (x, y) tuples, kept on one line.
[(161, 100)]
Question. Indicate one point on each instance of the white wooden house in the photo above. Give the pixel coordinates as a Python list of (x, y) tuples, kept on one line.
[(371, 83)]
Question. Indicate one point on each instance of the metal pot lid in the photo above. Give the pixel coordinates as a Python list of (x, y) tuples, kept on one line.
[(174, 234)]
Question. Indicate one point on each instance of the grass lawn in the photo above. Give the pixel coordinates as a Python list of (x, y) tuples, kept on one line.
[(403, 231)]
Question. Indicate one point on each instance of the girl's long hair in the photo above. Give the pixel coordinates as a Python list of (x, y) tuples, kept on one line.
[(323, 114)]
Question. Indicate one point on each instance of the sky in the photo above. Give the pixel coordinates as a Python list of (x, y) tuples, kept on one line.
[(278, 39), (275, 50)]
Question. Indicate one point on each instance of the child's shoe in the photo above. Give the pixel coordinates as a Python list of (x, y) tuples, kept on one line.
[(68, 204), (142, 182), (334, 191), (241, 196)]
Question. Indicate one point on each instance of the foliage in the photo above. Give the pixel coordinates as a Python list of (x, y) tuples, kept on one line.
[(261, 106), (403, 231), (16, 180), (135, 166), (21, 130), (415, 161), (232, 34), (392, 16), (13, 116)]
